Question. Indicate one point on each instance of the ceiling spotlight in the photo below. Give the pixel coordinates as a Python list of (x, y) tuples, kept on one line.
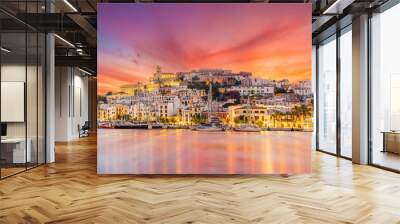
[(84, 71), (5, 50), (79, 51), (70, 5), (337, 7), (64, 40)]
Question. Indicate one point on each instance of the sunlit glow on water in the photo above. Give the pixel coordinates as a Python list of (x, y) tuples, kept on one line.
[(163, 151)]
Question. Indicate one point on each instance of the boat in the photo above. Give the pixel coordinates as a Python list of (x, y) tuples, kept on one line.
[(105, 125), (130, 125), (156, 125), (137, 125), (247, 128), (209, 127)]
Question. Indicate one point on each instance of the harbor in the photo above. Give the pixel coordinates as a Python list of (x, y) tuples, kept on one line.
[(144, 125), (184, 151)]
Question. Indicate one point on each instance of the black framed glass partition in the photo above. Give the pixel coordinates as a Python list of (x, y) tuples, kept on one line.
[(385, 89), (326, 96), (345, 93), (334, 116), (22, 77), (334, 93), (14, 153)]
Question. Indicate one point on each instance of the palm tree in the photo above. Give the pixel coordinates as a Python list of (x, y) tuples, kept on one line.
[(298, 113), (308, 111), (279, 115), (290, 117), (304, 112), (273, 117)]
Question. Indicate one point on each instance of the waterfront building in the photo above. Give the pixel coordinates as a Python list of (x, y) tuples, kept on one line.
[(106, 112), (121, 111), (190, 115), (257, 114)]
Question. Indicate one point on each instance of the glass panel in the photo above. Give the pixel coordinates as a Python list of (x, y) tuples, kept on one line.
[(327, 96), (41, 98), (386, 89), (314, 78), (346, 93), (13, 87), (32, 86), (23, 89), (31, 97)]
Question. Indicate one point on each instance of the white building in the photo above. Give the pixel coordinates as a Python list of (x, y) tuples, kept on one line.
[(251, 81), (140, 111), (302, 91), (284, 83), (166, 109), (253, 90), (106, 112), (303, 88), (251, 113)]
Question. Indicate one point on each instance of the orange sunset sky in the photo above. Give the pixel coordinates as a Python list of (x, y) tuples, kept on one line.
[(270, 40)]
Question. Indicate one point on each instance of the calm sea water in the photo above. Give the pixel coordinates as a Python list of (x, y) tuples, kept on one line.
[(167, 151)]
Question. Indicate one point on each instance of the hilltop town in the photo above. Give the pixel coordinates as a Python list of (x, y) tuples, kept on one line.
[(187, 98)]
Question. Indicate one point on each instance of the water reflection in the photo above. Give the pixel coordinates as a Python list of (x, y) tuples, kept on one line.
[(165, 151)]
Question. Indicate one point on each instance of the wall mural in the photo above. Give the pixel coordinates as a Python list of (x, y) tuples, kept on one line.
[(204, 88)]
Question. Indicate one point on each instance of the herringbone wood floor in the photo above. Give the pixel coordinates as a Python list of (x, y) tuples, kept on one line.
[(69, 191)]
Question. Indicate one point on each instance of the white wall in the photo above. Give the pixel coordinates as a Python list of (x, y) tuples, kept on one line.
[(62, 82), (14, 73), (33, 126), (80, 109), (71, 103)]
